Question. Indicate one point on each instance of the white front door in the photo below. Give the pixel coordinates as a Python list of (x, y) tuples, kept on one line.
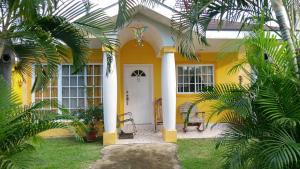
[(138, 92)]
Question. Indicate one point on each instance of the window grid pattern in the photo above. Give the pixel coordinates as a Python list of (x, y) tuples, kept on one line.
[(73, 89), (195, 78), (78, 91), (48, 93), (94, 85)]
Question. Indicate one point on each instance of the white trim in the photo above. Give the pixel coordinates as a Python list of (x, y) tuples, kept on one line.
[(151, 83), (85, 89), (179, 65), (59, 87)]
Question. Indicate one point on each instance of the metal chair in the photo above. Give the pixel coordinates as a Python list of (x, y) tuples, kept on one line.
[(127, 117), (195, 117)]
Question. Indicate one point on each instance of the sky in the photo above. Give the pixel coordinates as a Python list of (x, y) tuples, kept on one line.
[(159, 9), (113, 11)]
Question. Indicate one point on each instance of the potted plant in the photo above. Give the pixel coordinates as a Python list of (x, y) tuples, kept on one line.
[(91, 117)]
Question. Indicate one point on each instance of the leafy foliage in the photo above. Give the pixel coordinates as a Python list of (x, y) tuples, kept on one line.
[(192, 17), (47, 31), (91, 116), (262, 117), (126, 9), (18, 124)]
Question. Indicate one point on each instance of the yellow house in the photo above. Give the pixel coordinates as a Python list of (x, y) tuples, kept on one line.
[(141, 72)]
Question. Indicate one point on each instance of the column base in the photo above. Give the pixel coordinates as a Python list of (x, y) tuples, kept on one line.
[(170, 136), (109, 138)]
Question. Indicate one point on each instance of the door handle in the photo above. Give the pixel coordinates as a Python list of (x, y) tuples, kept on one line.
[(127, 97)]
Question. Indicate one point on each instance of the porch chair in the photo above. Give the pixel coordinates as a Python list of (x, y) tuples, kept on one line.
[(158, 117), (127, 117), (195, 118)]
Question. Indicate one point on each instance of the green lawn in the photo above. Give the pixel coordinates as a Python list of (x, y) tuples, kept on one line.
[(63, 153), (198, 154), (66, 153)]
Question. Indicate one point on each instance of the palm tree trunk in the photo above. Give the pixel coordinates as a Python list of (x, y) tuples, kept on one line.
[(5, 65), (6, 72), (285, 27)]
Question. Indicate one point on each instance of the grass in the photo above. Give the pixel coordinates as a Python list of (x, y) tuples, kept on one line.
[(62, 153), (199, 154), (66, 153)]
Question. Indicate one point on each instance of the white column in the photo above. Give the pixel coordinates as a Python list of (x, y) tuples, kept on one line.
[(169, 91), (109, 93)]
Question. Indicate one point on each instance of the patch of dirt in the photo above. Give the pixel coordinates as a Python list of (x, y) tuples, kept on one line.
[(138, 156)]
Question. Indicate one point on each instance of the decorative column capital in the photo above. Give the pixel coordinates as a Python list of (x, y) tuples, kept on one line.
[(167, 49)]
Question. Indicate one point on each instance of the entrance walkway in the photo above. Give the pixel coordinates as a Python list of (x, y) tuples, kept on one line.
[(146, 134), (138, 156)]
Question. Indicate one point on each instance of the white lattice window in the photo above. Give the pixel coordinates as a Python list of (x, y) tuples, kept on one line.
[(48, 93), (74, 91), (73, 88), (194, 78), (94, 84)]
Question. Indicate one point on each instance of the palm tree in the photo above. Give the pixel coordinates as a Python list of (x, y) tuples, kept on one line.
[(263, 117), (285, 26), (193, 16), (19, 124), (26, 25), (44, 31)]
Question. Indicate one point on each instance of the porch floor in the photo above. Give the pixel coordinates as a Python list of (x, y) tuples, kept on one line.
[(146, 134)]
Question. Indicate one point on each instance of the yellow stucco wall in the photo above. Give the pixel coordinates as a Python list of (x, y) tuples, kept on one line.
[(130, 53), (221, 68)]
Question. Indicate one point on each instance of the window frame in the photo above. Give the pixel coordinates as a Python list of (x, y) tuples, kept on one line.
[(33, 97), (59, 83), (195, 66)]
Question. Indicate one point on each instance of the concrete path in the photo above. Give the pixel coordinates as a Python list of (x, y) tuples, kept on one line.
[(138, 156), (146, 134)]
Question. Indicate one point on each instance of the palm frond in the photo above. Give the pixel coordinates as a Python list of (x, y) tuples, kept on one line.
[(39, 48), (189, 26), (262, 118), (271, 101), (68, 34), (280, 149), (192, 17), (126, 9), (18, 124)]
